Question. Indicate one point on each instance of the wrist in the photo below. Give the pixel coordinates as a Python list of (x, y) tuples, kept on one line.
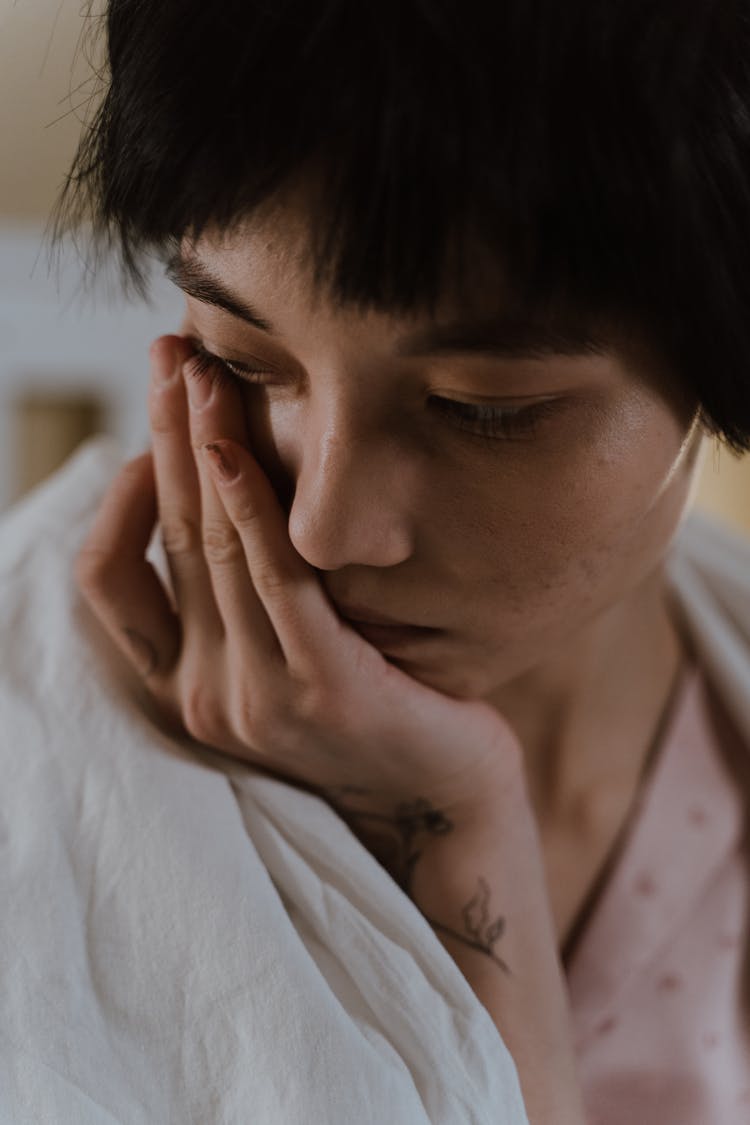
[(483, 890), (481, 880)]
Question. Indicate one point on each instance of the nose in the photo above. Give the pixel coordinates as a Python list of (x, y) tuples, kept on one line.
[(350, 503)]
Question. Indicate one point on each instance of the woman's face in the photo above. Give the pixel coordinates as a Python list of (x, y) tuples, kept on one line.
[(462, 478)]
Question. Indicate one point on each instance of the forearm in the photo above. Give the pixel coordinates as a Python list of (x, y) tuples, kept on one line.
[(481, 885)]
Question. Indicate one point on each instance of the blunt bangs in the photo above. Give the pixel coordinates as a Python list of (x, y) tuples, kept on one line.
[(599, 148)]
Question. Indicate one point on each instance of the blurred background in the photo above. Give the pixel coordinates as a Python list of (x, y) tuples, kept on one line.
[(73, 355), (73, 362)]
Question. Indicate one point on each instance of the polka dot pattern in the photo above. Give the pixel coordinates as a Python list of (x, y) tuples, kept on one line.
[(655, 979)]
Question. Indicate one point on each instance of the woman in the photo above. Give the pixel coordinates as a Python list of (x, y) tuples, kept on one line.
[(465, 289)]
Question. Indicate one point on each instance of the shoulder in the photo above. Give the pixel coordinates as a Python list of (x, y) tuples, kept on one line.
[(708, 572)]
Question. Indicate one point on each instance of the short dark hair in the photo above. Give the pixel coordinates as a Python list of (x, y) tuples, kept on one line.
[(600, 147)]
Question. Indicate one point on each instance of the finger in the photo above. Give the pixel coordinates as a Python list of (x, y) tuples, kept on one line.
[(178, 492), (118, 582), (287, 587), (217, 411)]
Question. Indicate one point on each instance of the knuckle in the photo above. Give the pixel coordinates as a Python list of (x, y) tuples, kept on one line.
[(202, 714), (260, 718), (309, 705), (220, 543), (269, 579), (310, 700), (259, 728), (273, 726), (245, 514), (181, 533)]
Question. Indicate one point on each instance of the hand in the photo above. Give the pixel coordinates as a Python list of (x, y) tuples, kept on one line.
[(254, 660)]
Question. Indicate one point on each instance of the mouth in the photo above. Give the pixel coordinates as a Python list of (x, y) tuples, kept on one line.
[(385, 632), (360, 615)]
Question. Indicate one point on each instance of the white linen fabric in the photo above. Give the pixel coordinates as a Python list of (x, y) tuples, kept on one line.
[(181, 940)]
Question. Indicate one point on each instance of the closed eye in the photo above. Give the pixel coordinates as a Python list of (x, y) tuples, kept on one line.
[(492, 421), (482, 420), (220, 371)]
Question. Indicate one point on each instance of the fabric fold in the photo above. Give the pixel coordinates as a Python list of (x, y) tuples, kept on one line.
[(183, 940)]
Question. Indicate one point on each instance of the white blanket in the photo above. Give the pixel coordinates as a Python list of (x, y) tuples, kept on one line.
[(183, 941)]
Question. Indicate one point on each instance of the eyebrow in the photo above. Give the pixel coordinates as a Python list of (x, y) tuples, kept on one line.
[(510, 334), (196, 280)]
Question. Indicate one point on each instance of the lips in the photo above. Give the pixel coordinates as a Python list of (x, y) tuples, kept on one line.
[(385, 633), (388, 638), (360, 615)]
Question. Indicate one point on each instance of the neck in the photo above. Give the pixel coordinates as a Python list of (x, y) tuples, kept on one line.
[(587, 718)]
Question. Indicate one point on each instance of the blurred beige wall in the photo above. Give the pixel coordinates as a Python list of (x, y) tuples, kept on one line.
[(42, 101), (45, 93), (724, 484)]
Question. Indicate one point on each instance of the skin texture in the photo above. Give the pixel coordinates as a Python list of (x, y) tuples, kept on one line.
[(540, 557), (249, 656), (489, 764), (403, 512)]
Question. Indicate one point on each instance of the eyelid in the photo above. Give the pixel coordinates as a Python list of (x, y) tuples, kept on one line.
[(505, 406), (237, 367), (508, 403), (242, 369), (496, 423)]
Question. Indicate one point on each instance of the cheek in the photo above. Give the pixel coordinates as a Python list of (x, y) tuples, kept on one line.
[(621, 498), (567, 532), (273, 436)]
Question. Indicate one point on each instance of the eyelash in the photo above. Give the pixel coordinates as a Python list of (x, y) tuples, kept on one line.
[(491, 423), (221, 371)]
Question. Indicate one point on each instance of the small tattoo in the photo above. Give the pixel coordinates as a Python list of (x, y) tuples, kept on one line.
[(396, 842), (476, 917), (481, 931), (413, 820), (391, 839), (419, 816)]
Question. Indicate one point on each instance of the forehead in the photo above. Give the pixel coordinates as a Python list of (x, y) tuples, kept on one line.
[(273, 251), (275, 246), (263, 268)]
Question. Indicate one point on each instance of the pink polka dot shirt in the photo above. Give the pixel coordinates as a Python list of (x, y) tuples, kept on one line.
[(656, 977)]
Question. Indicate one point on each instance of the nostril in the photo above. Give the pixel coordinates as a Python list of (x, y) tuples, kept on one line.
[(348, 505)]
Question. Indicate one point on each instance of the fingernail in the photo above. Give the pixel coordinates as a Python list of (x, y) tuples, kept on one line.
[(222, 460), (200, 390)]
